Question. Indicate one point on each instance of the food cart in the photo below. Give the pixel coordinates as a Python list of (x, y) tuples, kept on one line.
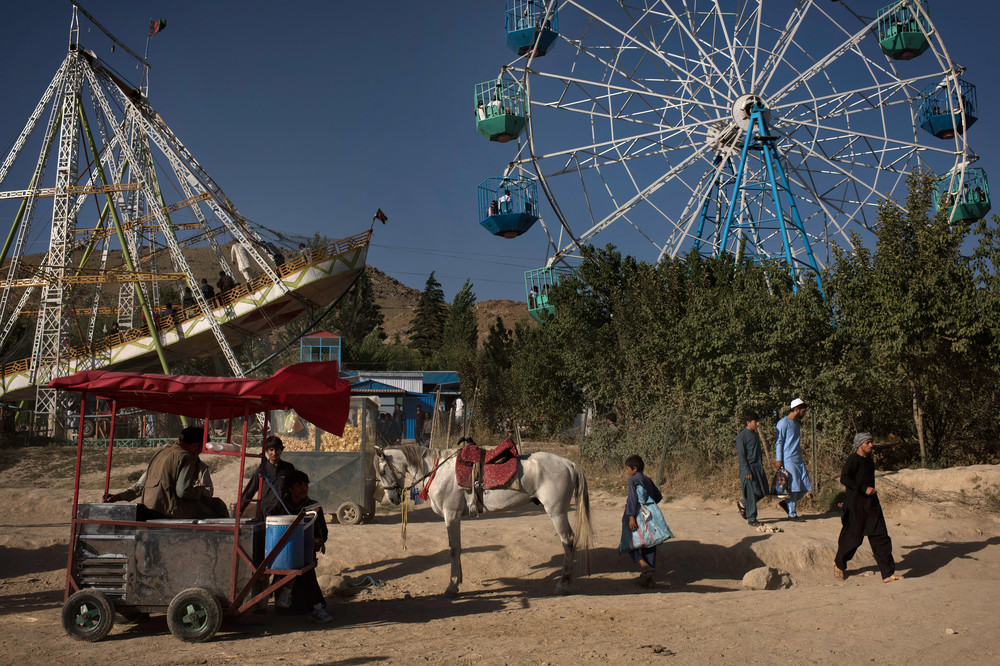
[(196, 571), (341, 472)]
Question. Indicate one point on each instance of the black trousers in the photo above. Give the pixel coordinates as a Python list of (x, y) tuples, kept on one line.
[(856, 526)]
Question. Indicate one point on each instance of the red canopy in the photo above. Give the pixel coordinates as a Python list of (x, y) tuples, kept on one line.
[(314, 390)]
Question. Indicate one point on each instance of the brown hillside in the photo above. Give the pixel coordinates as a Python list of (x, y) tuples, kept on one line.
[(398, 303)]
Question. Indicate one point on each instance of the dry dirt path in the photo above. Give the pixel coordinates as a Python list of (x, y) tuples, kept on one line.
[(698, 613)]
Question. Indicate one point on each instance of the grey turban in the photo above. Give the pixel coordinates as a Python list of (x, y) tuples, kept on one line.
[(861, 438)]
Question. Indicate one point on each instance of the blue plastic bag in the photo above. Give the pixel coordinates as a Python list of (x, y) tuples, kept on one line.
[(652, 528)]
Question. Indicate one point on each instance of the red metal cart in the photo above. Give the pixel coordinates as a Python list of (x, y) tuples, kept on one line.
[(194, 570)]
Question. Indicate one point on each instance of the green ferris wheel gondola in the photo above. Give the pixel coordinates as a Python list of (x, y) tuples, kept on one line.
[(903, 30), (538, 284), (966, 192), (500, 110)]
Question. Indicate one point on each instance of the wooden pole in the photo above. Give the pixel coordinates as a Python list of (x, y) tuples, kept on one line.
[(472, 410), (663, 453), (451, 417), (815, 476), (435, 421)]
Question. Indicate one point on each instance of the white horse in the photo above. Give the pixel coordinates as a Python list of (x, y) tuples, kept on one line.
[(549, 479)]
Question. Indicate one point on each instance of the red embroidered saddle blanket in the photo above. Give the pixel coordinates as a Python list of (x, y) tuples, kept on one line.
[(498, 465)]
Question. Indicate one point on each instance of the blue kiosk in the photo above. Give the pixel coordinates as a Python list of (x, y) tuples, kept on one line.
[(508, 206), (529, 29)]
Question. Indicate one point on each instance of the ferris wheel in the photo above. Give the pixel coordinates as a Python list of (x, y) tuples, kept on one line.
[(771, 130)]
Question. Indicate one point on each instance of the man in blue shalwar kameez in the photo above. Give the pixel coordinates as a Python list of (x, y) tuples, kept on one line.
[(788, 454)]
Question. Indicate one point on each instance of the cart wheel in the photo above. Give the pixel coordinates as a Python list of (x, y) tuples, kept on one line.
[(88, 616), (89, 427), (349, 513), (194, 615)]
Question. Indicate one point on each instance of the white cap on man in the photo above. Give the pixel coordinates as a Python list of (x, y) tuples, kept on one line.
[(797, 402)]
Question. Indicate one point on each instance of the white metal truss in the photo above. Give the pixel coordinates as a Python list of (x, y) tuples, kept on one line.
[(633, 118), (48, 339)]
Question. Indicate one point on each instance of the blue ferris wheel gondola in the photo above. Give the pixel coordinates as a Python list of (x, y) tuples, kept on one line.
[(528, 27), (940, 111), (509, 206)]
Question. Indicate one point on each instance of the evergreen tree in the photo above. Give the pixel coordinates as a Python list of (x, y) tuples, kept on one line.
[(461, 331), (357, 316), (492, 372), (427, 330)]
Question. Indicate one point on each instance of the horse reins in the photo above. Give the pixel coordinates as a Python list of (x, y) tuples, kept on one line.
[(404, 491)]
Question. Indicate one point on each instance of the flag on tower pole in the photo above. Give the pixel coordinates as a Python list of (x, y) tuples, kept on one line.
[(380, 216), (156, 26)]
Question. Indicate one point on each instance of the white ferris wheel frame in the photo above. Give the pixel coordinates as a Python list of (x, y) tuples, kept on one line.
[(841, 150)]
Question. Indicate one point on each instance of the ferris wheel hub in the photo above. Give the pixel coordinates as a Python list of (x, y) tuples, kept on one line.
[(726, 136), (742, 107)]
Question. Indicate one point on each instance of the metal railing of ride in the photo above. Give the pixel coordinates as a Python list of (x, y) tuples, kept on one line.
[(310, 257)]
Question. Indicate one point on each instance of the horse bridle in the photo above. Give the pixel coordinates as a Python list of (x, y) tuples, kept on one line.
[(397, 484), (396, 475)]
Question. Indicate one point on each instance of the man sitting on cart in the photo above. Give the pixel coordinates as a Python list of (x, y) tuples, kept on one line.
[(275, 472), (209, 506), (303, 595), (171, 489)]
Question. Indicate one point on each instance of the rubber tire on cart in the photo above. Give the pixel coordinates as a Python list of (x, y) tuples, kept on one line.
[(194, 615), (88, 615), (89, 427), (349, 513)]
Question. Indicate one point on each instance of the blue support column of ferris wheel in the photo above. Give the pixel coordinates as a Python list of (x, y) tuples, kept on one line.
[(703, 215), (759, 138)]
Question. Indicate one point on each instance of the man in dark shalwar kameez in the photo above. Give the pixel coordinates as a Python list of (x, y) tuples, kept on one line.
[(863, 513), (753, 481)]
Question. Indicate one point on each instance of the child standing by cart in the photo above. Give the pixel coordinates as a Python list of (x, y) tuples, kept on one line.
[(643, 526)]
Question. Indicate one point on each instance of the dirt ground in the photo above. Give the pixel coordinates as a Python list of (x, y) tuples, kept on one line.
[(945, 537)]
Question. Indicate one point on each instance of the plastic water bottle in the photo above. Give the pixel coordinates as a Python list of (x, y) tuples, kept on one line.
[(222, 446)]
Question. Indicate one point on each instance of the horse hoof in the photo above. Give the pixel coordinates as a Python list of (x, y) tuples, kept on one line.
[(563, 589), (451, 592)]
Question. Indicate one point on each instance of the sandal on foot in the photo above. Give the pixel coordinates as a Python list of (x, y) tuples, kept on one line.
[(755, 523), (742, 509), (891, 578), (839, 573)]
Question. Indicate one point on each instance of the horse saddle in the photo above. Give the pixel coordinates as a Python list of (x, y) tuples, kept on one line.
[(487, 468)]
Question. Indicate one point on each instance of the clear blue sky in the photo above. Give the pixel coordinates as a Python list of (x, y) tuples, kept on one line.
[(311, 115)]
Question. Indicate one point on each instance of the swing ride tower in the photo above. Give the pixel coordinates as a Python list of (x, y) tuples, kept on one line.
[(111, 283)]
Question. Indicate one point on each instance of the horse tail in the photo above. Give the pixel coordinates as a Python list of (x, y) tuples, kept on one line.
[(582, 533)]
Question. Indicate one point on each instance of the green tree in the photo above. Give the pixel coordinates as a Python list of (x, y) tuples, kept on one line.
[(545, 397), (427, 330), (357, 315), (495, 403), (913, 302), (461, 330), (374, 354)]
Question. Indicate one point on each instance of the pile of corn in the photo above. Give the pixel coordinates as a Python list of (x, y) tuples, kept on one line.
[(351, 441)]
